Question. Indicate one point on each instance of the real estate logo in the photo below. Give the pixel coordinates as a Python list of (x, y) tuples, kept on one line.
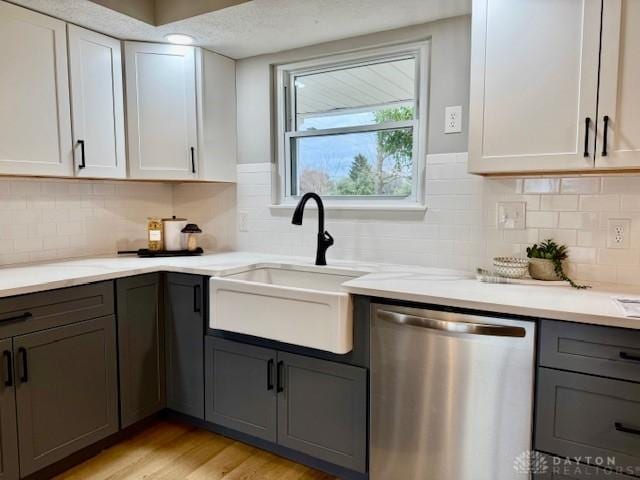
[(530, 462)]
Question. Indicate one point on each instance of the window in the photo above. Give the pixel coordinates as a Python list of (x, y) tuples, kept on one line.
[(352, 128)]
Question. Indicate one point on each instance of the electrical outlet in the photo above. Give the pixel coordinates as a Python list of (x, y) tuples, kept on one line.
[(618, 233), (453, 119), (511, 215), (243, 221)]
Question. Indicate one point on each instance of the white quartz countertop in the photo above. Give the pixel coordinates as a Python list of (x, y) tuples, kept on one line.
[(553, 300)]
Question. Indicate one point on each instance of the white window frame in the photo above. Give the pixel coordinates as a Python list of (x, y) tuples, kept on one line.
[(285, 119)]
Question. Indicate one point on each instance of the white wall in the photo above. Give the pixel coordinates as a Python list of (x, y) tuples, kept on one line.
[(47, 219), (448, 85), (459, 227), (44, 219), (213, 208)]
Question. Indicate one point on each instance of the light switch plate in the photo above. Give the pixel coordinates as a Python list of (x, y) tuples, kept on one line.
[(453, 119), (511, 215)]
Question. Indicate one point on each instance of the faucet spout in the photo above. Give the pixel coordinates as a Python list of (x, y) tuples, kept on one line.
[(325, 240)]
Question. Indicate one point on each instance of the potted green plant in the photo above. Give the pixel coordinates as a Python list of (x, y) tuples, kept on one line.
[(545, 262)]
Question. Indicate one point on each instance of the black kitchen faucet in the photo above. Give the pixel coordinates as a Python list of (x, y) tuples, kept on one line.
[(325, 240)]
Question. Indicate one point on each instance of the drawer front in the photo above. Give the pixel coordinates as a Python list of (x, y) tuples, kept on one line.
[(584, 416), (610, 352), (38, 311), (555, 468)]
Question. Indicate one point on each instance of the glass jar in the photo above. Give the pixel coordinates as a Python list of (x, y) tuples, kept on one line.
[(154, 230)]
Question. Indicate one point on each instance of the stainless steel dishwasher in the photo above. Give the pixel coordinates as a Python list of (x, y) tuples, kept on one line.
[(451, 395)]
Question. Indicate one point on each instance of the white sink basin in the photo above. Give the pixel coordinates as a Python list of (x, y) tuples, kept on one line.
[(296, 306)]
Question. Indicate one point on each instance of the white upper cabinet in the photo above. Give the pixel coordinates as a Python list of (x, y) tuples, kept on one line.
[(216, 116), (534, 85), (97, 104), (181, 105), (161, 111), (619, 135), (35, 123)]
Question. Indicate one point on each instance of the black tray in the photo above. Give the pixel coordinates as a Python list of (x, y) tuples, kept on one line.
[(146, 253)]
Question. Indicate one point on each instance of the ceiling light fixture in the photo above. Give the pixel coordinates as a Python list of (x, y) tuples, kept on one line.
[(179, 39)]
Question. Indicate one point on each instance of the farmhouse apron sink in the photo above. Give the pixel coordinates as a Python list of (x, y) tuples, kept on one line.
[(303, 306)]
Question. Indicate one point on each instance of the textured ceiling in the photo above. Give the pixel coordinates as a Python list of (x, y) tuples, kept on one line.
[(262, 26)]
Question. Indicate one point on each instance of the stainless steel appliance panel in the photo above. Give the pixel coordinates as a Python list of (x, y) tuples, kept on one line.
[(451, 395)]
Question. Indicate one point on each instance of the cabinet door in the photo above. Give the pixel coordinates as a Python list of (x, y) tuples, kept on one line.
[(8, 434), (184, 341), (240, 387), (161, 111), (35, 124), (619, 80), (534, 80), (140, 348), (216, 116), (97, 104), (66, 392), (322, 409)]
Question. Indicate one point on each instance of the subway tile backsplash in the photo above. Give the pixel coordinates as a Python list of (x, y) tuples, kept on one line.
[(459, 228), (49, 219)]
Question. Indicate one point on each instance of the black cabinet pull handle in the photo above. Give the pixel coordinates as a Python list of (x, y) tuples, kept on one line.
[(279, 387), (629, 356), (7, 361), (197, 299), (605, 135), (18, 318), (193, 160), (587, 124), (83, 161), (270, 374), (621, 428), (24, 378)]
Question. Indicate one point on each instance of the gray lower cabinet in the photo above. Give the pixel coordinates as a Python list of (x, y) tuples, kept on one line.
[(66, 390), (8, 433), (605, 351), (586, 416), (322, 409), (184, 343), (140, 347), (240, 391), (313, 406)]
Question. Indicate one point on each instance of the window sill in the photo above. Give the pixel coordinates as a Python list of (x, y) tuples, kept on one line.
[(346, 207)]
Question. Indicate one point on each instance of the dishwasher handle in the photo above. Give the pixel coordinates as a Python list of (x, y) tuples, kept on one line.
[(451, 326)]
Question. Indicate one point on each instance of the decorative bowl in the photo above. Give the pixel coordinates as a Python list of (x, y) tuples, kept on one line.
[(511, 267)]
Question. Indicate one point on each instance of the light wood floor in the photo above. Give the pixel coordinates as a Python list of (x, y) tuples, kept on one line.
[(174, 451)]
